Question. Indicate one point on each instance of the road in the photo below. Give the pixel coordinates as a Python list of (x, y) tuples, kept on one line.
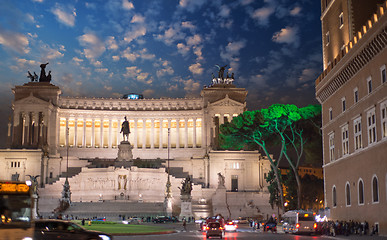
[(244, 233)]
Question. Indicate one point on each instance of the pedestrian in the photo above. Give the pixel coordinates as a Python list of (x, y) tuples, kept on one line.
[(83, 222), (184, 225)]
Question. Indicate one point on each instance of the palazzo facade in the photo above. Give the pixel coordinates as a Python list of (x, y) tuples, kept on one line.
[(352, 90)]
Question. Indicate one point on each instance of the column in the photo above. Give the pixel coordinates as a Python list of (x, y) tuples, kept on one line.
[(161, 134), (22, 128), (101, 133), (27, 126), (177, 133), (143, 133), (186, 133), (152, 134), (67, 132), (76, 132), (84, 133), (169, 135), (194, 133), (135, 132), (92, 133), (110, 134)]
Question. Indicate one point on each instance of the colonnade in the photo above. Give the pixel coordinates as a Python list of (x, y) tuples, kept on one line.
[(145, 133)]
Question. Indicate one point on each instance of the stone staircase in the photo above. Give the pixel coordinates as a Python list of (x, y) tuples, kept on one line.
[(114, 210), (72, 171)]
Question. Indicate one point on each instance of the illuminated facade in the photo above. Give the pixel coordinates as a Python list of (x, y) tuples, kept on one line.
[(352, 90), (49, 130)]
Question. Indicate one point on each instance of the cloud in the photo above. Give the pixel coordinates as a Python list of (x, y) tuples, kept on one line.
[(224, 11), (262, 15), (308, 74), (165, 69), (111, 43), (65, 16), (94, 46), (128, 54), (51, 53), (135, 32), (196, 68), (137, 74), (137, 18), (188, 25), (148, 93), (116, 58), (127, 5), (108, 88), (101, 70), (182, 49), (191, 5), (288, 35), (295, 11), (172, 34), (194, 40), (14, 41), (231, 54), (190, 85)]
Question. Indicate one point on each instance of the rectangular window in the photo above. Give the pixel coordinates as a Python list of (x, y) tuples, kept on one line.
[(330, 114), (331, 147), (383, 73), (327, 38), (355, 95), (371, 126), (343, 104), (341, 20), (357, 133), (345, 140), (369, 84), (383, 114)]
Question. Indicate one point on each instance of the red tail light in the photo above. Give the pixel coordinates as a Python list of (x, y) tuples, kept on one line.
[(297, 225), (207, 228), (315, 225), (221, 228)]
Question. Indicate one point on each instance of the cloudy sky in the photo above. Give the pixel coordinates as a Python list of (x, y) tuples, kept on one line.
[(168, 48)]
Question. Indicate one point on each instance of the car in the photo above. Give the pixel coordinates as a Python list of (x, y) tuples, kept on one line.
[(135, 220), (271, 226), (230, 226), (288, 228), (164, 219), (52, 229), (102, 219), (214, 229)]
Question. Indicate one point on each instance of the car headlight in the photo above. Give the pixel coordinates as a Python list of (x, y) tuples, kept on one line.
[(104, 237), (27, 238)]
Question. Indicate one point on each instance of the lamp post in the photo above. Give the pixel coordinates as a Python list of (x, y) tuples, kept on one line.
[(66, 193), (168, 196)]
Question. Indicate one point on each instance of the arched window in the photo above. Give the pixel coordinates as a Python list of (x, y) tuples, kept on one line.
[(375, 190), (347, 194), (361, 192), (334, 202)]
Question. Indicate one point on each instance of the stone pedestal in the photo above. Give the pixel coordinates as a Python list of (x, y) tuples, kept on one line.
[(35, 214), (125, 151), (219, 202), (186, 207)]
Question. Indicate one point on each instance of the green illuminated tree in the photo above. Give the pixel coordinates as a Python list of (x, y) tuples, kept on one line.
[(247, 128), (275, 125), (287, 122)]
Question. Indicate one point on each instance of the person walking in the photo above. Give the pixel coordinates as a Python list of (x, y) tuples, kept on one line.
[(184, 225)]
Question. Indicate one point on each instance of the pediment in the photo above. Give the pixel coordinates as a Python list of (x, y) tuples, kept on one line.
[(227, 101), (31, 100)]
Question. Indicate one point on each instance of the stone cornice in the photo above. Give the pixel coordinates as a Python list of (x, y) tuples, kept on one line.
[(354, 65), (168, 104)]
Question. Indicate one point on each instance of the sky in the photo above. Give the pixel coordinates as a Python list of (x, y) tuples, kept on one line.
[(162, 48)]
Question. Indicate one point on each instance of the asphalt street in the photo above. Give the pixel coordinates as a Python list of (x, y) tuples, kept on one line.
[(244, 232)]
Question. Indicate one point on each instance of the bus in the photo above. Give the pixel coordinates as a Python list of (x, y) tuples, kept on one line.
[(299, 221), (16, 210)]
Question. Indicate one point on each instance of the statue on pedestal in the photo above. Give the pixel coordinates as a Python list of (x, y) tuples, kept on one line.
[(220, 180), (125, 129), (186, 187)]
